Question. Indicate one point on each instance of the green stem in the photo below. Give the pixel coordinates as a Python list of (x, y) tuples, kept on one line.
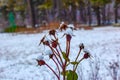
[(77, 57), (78, 64)]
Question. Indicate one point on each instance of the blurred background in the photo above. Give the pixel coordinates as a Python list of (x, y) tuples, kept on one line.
[(36, 13)]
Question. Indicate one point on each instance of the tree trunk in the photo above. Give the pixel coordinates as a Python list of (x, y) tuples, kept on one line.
[(97, 9), (31, 12), (82, 14), (116, 15), (89, 14), (104, 15)]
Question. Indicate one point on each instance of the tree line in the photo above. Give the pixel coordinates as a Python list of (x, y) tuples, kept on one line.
[(71, 11)]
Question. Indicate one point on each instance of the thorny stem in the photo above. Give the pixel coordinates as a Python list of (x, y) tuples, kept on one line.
[(57, 66), (53, 71)]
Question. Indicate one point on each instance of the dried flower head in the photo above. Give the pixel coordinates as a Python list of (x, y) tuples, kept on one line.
[(54, 43), (52, 32), (41, 62), (51, 55), (46, 43), (86, 55), (63, 27), (81, 46)]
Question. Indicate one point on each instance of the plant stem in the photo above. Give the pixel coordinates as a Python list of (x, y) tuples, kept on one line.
[(53, 71), (56, 56), (77, 57), (57, 66), (64, 68), (68, 52), (78, 63), (60, 48), (58, 61), (59, 55)]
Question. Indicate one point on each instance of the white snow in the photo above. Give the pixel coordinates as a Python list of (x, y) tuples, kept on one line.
[(18, 53)]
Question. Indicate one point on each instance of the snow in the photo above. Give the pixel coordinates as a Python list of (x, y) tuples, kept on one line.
[(18, 53)]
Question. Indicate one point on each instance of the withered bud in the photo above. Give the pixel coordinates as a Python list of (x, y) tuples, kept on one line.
[(54, 43), (51, 55), (46, 43), (63, 27), (81, 46), (41, 62), (52, 32), (86, 55)]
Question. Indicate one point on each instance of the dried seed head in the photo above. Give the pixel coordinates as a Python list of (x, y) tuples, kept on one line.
[(63, 27), (51, 55), (81, 46), (41, 62), (54, 43), (87, 54), (46, 43), (52, 32)]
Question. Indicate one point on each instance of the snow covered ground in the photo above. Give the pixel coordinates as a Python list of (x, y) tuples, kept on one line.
[(18, 53)]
